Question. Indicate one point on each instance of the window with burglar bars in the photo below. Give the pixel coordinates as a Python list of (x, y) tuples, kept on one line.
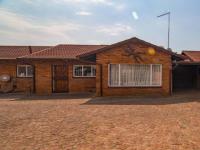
[(84, 71), (24, 71), (135, 75)]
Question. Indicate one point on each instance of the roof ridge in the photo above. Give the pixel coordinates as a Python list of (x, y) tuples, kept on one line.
[(82, 45), (190, 51), (36, 52), (71, 51), (24, 46), (130, 39)]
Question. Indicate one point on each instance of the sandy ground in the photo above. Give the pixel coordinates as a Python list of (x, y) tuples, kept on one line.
[(59, 122)]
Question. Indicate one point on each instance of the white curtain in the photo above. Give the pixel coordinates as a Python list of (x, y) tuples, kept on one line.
[(135, 75)]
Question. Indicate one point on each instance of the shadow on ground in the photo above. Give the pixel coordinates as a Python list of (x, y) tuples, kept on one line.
[(174, 99), (60, 96), (178, 97)]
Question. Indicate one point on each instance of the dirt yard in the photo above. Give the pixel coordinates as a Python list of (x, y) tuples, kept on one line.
[(72, 123)]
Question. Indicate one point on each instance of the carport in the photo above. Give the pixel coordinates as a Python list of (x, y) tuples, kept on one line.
[(186, 76)]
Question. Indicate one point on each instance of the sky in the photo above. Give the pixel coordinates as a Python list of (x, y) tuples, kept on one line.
[(52, 22)]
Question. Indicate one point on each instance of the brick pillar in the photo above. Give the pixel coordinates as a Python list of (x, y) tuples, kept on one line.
[(98, 80), (43, 78)]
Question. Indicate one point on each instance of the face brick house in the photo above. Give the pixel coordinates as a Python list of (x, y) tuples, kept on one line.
[(131, 67), (9, 67)]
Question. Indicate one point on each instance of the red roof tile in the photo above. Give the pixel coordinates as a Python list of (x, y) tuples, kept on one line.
[(12, 52), (127, 41), (64, 51), (192, 55)]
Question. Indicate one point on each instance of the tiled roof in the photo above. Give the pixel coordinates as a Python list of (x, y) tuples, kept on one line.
[(13, 52), (65, 51), (192, 55), (134, 39)]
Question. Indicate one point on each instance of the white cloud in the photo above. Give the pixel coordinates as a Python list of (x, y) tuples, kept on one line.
[(78, 3), (114, 30), (95, 42), (120, 7), (105, 2), (20, 22), (135, 15), (114, 4), (22, 27), (84, 13)]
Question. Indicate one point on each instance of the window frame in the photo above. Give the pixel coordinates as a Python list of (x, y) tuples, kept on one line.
[(134, 86), (82, 67), (26, 75)]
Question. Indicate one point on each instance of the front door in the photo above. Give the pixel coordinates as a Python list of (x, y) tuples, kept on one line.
[(60, 80)]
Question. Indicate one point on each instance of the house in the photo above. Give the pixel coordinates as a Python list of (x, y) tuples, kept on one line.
[(44, 70), (8, 66), (130, 67), (133, 67)]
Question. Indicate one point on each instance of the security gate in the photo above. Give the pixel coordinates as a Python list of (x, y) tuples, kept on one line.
[(60, 78)]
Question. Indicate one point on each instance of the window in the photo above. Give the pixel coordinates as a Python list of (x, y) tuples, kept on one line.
[(24, 71), (84, 71), (131, 75)]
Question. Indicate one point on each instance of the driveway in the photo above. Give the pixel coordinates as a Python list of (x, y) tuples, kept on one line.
[(76, 123)]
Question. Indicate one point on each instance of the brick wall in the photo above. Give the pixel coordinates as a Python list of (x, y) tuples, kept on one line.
[(119, 56), (77, 84), (9, 67), (43, 77)]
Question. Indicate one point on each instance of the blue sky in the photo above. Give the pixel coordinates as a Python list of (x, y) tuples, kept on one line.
[(51, 22)]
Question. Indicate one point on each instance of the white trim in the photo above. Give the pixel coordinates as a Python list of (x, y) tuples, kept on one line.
[(53, 74), (151, 72), (26, 73), (151, 77), (109, 74), (161, 70), (82, 66), (81, 72), (119, 84)]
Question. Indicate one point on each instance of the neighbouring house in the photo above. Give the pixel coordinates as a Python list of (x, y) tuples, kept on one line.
[(58, 70), (9, 68), (46, 70), (131, 67)]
